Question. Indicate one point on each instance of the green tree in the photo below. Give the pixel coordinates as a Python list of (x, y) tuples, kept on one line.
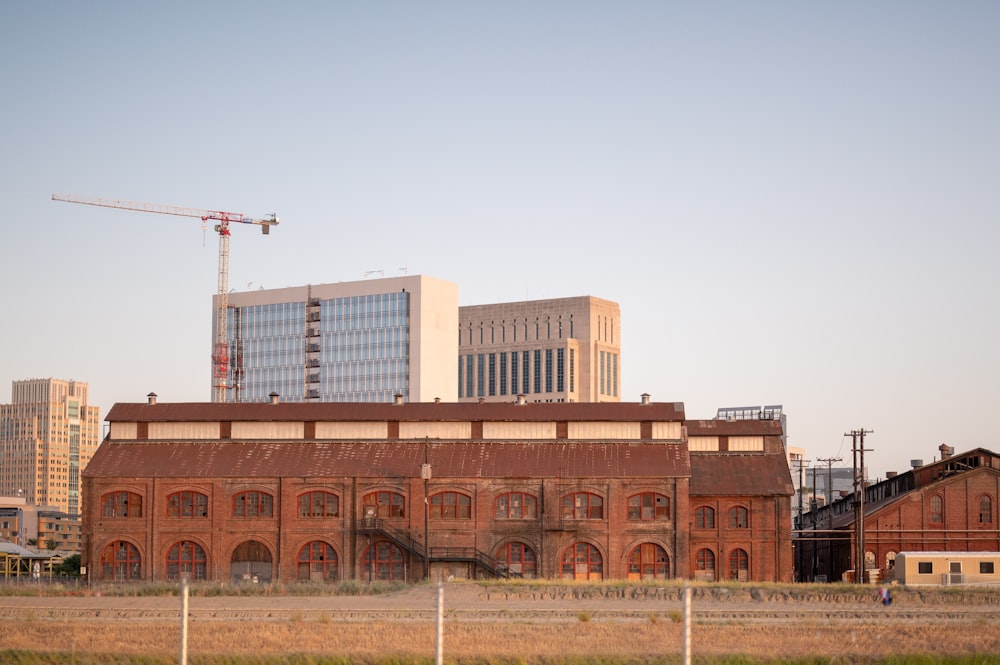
[(50, 544), (70, 566)]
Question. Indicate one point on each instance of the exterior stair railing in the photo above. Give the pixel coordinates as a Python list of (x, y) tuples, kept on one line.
[(404, 540)]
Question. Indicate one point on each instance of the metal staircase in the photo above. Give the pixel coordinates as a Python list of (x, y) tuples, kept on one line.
[(370, 525)]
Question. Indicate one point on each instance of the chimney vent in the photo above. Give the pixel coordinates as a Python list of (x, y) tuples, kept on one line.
[(437, 400), (645, 398), (274, 397), (916, 463), (946, 451), (890, 474), (151, 398), (397, 399), (521, 400)]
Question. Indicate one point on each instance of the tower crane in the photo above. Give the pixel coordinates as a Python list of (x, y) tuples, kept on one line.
[(220, 349)]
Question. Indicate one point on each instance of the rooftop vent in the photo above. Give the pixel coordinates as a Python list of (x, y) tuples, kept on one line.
[(151, 398), (397, 399), (274, 397), (645, 398), (437, 400), (946, 450), (521, 400), (890, 474), (916, 463)]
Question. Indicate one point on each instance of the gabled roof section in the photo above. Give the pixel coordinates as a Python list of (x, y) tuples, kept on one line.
[(387, 460), (414, 411), (733, 427), (750, 474), (840, 513)]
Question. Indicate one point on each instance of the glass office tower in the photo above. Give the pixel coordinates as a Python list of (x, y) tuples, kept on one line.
[(364, 341), (355, 350)]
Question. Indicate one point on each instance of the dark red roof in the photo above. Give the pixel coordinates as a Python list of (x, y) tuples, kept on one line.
[(733, 427), (753, 474), (116, 459), (414, 411)]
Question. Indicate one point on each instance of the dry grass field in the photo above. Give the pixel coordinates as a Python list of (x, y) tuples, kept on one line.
[(510, 623)]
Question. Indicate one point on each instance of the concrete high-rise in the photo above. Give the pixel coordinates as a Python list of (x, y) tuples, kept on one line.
[(48, 433), (364, 341), (557, 350)]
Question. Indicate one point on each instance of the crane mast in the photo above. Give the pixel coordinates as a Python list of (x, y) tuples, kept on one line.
[(220, 348)]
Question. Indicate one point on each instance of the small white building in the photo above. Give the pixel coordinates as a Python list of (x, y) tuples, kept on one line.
[(946, 568)]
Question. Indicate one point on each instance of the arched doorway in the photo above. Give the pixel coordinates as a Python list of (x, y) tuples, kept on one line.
[(519, 559), (582, 561), (648, 561), (251, 562), (317, 562), (187, 558), (120, 561), (384, 561)]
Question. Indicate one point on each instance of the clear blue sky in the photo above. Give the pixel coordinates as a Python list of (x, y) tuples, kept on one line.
[(794, 202)]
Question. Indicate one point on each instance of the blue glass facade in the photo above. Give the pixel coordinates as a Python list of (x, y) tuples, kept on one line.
[(353, 349)]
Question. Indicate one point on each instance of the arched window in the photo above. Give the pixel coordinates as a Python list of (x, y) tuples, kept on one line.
[(519, 559), (187, 558), (986, 509), (583, 506), (937, 509), (739, 565), (121, 504), (120, 561), (739, 518), (704, 517), (319, 504), (450, 506), (318, 562), (516, 506), (251, 562), (384, 561), (890, 559), (187, 504), (582, 561), (870, 560), (704, 562), (384, 504), (253, 504), (649, 506), (648, 561)]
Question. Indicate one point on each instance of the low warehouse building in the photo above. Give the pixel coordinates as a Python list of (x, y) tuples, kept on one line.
[(328, 491)]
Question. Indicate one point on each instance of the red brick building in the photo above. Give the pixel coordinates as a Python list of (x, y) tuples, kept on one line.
[(402, 491), (946, 506)]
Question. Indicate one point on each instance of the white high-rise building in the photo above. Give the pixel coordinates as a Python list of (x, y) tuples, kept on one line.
[(364, 341)]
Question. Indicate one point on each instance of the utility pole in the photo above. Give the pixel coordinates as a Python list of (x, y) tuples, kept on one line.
[(858, 449), (802, 482), (829, 511)]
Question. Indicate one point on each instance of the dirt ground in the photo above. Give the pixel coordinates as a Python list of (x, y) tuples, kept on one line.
[(541, 622)]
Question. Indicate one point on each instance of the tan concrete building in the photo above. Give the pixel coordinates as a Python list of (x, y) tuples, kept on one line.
[(47, 435), (364, 341), (558, 350)]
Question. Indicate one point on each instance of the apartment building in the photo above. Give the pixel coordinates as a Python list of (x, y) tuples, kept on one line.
[(47, 435)]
